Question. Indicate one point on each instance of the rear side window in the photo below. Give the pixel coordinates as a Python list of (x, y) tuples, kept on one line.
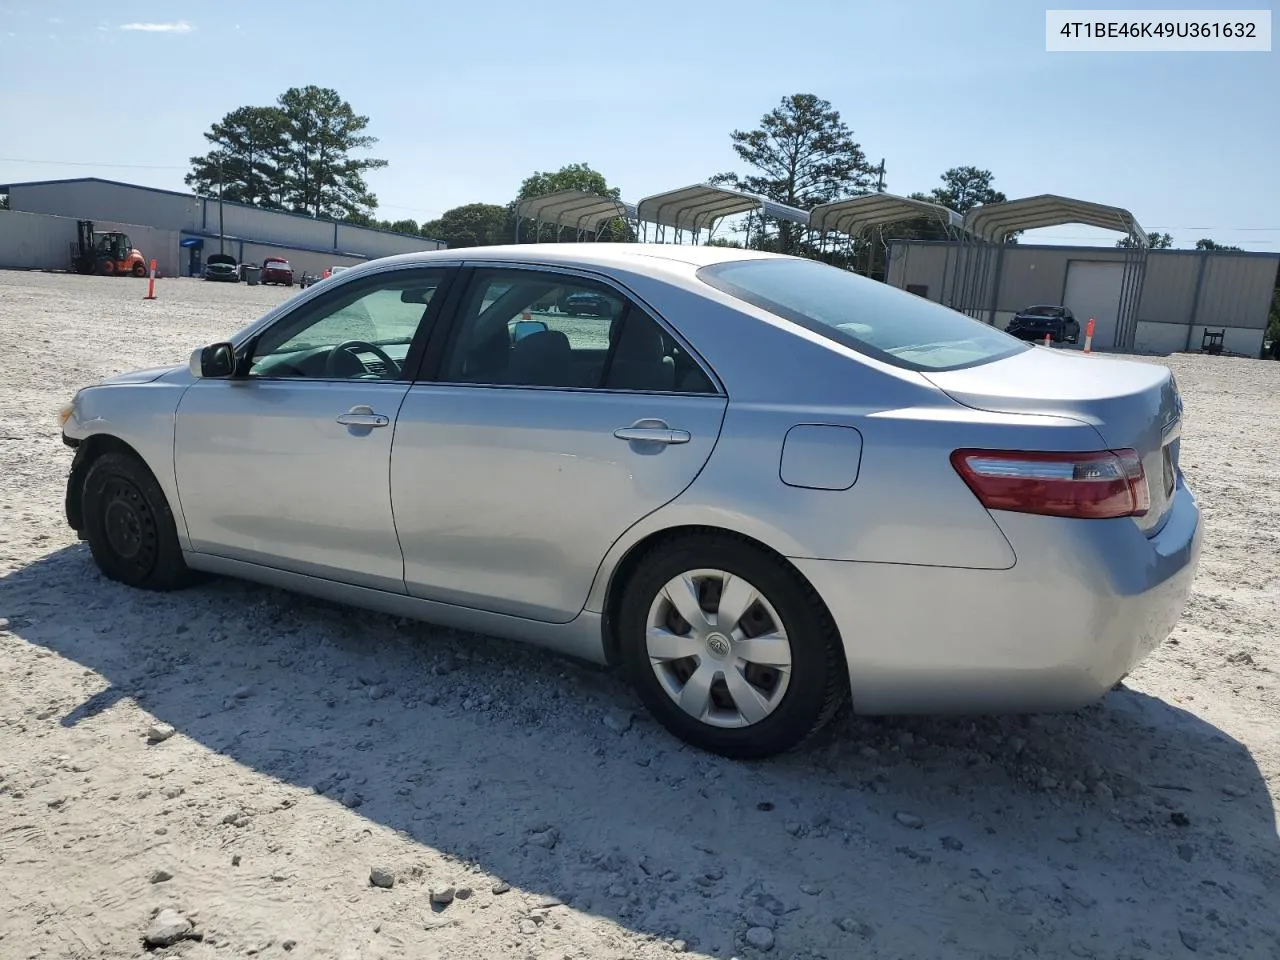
[(865, 315)]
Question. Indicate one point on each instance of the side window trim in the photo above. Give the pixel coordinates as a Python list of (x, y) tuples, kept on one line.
[(430, 372), (315, 307)]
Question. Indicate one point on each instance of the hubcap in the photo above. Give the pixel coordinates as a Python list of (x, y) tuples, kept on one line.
[(718, 648)]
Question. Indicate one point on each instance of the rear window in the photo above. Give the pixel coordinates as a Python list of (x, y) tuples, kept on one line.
[(277, 265), (1042, 312), (865, 315)]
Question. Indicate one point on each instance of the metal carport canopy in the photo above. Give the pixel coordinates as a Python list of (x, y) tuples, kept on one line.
[(995, 221), (876, 210), (696, 207), (573, 208)]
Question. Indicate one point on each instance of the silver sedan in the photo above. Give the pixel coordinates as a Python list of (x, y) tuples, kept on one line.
[(759, 484)]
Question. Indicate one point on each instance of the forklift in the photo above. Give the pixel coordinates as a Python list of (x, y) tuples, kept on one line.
[(105, 253)]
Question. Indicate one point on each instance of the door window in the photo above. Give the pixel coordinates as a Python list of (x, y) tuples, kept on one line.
[(534, 328), (360, 330)]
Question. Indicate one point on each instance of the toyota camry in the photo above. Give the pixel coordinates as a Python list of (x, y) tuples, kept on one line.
[(759, 485)]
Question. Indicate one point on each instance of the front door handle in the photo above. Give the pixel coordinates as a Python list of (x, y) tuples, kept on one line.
[(651, 431), (363, 416)]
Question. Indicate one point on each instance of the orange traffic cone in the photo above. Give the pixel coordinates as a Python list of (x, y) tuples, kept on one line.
[(1088, 336), (151, 283)]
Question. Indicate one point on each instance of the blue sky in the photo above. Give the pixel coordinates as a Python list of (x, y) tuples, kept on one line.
[(469, 98)]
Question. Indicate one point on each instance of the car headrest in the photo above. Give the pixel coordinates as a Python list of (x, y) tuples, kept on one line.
[(639, 340), (544, 358)]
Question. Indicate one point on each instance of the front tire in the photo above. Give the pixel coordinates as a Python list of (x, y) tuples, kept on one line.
[(728, 648), (129, 526)]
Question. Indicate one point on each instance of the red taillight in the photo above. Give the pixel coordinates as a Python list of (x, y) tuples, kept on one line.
[(1094, 486)]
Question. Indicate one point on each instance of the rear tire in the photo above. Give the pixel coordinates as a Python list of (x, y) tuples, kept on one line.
[(751, 685), (139, 269), (129, 526)]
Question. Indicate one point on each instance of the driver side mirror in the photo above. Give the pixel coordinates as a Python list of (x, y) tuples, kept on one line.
[(218, 360), (523, 328)]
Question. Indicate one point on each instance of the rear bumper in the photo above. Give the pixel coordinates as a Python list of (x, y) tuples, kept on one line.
[(1085, 602)]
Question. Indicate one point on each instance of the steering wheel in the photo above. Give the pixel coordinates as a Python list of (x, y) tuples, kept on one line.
[(364, 346)]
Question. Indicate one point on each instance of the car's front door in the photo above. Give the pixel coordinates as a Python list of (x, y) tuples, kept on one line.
[(541, 439), (286, 464)]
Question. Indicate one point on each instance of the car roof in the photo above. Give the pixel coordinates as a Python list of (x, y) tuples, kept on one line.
[(590, 254)]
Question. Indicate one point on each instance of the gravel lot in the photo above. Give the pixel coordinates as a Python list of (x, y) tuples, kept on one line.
[(284, 777)]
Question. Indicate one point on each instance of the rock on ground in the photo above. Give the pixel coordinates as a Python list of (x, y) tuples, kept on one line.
[(167, 928)]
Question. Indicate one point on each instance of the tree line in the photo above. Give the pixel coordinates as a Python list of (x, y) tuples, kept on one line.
[(300, 155)]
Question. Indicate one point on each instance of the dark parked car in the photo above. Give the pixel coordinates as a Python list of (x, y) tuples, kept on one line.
[(222, 266), (590, 304), (1032, 323), (276, 270)]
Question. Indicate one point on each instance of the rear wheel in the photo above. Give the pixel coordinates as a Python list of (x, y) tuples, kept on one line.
[(729, 649), (129, 525), (139, 269)]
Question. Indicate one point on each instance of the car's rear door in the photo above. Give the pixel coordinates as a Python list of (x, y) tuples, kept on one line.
[(287, 466), (521, 461)]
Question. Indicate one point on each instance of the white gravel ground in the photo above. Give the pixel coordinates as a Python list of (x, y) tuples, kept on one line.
[(315, 744)]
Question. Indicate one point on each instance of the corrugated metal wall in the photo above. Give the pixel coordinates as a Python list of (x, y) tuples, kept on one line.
[(1236, 291), (125, 203), (37, 241), (1186, 289), (98, 200), (1169, 290)]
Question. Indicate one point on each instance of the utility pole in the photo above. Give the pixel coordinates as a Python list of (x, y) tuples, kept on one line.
[(880, 180), (221, 239)]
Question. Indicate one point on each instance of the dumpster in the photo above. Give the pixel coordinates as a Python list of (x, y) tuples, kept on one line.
[(252, 275)]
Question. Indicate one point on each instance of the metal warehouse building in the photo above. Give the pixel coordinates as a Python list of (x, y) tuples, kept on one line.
[(180, 230), (1183, 292)]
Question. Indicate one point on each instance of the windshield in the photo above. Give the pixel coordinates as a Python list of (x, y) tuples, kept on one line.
[(868, 316), (1042, 312)]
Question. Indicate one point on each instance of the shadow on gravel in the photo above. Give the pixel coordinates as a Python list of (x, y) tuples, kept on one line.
[(1129, 829)]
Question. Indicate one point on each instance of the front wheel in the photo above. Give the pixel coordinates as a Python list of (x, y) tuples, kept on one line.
[(730, 649), (129, 525)]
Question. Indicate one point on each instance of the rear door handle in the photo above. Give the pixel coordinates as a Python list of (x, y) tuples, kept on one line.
[(661, 434), (363, 416)]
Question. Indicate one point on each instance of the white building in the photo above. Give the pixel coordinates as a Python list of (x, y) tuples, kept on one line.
[(181, 230)]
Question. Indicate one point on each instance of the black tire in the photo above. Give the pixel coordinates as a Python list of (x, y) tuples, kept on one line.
[(139, 270), (818, 682), (129, 525)]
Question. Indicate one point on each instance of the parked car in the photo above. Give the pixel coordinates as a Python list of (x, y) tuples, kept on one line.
[(1033, 323), (276, 270), (222, 266), (764, 486), (583, 302)]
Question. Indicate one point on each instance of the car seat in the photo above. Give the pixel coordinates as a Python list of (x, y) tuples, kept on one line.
[(640, 360), (542, 359)]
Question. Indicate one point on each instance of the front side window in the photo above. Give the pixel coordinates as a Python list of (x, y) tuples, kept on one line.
[(538, 329), (873, 318), (360, 330)]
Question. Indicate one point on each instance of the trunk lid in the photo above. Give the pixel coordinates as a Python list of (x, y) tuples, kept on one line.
[(1129, 403)]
